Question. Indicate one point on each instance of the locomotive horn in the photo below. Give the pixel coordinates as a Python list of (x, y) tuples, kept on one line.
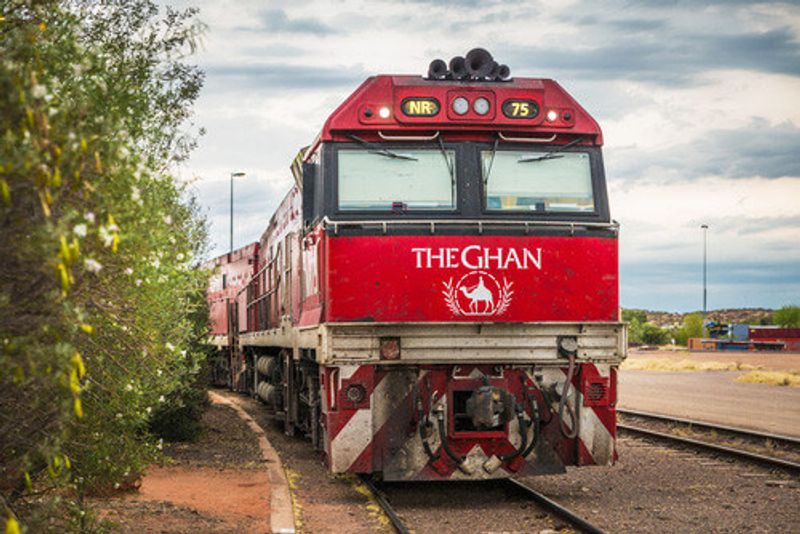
[(479, 63), (503, 72), (458, 68), (495, 70), (437, 70)]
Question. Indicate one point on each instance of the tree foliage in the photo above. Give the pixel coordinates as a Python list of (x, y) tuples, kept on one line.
[(640, 331), (692, 327), (101, 306), (787, 317)]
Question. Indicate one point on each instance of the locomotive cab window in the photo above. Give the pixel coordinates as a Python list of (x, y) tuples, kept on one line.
[(390, 179), (538, 181)]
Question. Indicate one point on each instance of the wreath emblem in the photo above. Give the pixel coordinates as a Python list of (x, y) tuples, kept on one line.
[(477, 293)]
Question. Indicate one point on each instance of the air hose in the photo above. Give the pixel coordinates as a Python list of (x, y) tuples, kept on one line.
[(537, 428), (424, 424), (443, 435), (526, 448), (564, 406)]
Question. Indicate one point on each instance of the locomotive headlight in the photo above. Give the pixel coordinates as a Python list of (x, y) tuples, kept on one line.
[(481, 106), (384, 112), (460, 105), (552, 115), (568, 345)]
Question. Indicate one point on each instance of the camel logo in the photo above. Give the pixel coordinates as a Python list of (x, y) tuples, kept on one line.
[(477, 293)]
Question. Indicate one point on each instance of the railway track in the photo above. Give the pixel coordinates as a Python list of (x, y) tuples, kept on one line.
[(385, 505), (767, 460), (561, 511), (539, 498)]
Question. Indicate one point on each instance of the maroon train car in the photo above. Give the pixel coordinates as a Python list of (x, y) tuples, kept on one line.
[(230, 275), (437, 296)]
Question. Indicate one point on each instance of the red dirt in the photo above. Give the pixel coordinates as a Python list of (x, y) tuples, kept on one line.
[(239, 496), (218, 484)]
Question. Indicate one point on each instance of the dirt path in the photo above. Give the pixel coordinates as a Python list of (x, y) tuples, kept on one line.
[(712, 396), (219, 484)]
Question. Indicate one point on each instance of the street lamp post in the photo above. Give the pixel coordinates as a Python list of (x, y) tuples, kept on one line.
[(705, 269), (233, 175)]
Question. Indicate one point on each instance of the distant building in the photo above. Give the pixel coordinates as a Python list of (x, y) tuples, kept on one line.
[(751, 338)]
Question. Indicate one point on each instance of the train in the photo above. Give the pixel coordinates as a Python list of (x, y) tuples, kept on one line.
[(437, 295)]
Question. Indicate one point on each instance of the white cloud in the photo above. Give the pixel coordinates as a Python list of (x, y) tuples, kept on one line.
[(697, 104), (746, 218)]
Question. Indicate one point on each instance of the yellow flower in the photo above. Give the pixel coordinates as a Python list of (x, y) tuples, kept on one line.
[(12, 526)]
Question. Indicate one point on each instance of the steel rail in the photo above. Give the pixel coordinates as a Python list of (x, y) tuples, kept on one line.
[(788, 440), (558, 509), (730, 451), (397, 523)]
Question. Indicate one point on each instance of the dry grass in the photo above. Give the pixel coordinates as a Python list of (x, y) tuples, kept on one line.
[(686, 365), (776, 378)]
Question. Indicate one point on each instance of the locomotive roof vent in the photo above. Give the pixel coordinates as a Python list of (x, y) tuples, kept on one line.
[(478, 65)]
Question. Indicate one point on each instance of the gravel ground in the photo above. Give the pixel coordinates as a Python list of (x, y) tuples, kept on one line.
[(464, 507), (334, 505), (324, 504), (658, 489), (757, 445), (225, 440), (158, 518), (653, 488)]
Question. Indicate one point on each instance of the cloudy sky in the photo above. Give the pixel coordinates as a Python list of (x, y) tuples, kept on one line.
[(699, 103)]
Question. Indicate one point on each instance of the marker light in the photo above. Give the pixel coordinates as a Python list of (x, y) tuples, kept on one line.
[(481, 106), (460, 105), (390, 348), (384, 112), (552, 115), (355, 393)]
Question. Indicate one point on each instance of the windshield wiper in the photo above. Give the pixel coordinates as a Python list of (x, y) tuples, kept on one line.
[(555, 154), (491, 161), (447, 160), (380, 150)]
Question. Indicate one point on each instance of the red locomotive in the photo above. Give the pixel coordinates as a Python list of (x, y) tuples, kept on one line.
[(437, 295)]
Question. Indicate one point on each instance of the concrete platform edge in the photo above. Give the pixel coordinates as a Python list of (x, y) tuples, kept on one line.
[(280, 500)]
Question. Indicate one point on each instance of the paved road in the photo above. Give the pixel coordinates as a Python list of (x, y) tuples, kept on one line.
[(714, 397)]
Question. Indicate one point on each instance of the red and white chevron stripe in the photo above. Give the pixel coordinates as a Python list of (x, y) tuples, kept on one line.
[(380, 432)]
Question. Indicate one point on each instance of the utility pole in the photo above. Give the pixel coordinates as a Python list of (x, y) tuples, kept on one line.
[(705, 278), (233, 175)]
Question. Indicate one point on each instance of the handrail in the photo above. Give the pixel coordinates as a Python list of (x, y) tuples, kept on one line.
[(407, 137), (527, 139), (327, 222)]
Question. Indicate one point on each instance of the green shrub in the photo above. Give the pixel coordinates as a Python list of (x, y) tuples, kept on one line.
[(178, 419), (787, 317), (101, 304)]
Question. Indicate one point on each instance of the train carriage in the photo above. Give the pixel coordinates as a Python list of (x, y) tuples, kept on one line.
[(437, 295)]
